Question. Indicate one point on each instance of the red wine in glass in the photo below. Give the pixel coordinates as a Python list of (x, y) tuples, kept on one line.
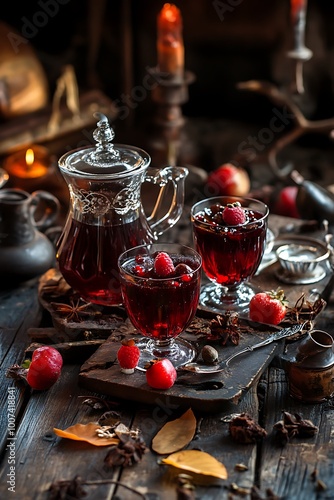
[(161, 308), (231, 254)]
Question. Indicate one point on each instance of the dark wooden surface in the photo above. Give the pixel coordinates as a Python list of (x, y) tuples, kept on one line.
[(42, 458)]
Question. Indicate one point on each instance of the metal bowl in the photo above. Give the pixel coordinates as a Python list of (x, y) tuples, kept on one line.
[(302, 258)]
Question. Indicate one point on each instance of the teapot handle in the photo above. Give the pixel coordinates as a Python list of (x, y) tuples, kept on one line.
[(47, 208), (163, 177)]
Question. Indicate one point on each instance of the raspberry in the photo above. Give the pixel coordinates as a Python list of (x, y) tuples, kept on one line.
[(163, 265), (139, 270), (233, 214), (128, 356), (45, 368), (160, 374)]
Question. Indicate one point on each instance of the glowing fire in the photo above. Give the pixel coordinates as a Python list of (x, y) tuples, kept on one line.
[(30, 157)]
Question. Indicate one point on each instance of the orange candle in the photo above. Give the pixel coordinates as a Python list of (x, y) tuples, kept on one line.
[(296, 7), (170, 42), (30, 164)]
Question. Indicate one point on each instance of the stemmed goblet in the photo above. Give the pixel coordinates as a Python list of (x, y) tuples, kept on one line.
[(231, 253), (161, 301)]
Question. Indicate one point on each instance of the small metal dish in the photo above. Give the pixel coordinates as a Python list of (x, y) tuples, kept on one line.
[(302, 259)]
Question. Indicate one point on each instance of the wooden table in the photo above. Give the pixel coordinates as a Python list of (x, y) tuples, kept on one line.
[(33, 457)]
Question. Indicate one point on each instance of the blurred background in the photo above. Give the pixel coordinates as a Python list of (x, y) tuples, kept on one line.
[(111, 46)]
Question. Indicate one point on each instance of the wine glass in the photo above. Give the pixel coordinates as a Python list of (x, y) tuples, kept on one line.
[(230, 254), (161, 306)]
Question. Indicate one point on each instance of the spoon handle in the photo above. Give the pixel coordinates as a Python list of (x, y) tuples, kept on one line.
[(280, 334)]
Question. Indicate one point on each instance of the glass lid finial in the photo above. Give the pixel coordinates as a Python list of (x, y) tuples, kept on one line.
[(105, 154)]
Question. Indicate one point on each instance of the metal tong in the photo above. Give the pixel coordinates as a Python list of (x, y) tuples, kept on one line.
[(219, 367)]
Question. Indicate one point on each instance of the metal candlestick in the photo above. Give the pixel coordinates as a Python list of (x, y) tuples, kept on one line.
[(169, 93), (300, 53)]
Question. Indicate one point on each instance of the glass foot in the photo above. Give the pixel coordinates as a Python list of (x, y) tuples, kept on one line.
[(219, 299), (178, 351)]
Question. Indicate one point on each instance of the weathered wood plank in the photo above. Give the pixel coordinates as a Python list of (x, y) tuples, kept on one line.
[(212, 436), (41, 457), (18, 312), (288, 470)]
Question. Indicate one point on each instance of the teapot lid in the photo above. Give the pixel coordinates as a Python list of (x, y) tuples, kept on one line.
[(105, 158)]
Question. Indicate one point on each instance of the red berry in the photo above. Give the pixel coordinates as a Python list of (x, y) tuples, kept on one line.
[(228, 179), (161, 374), (139, 270), (286, 202), (234, 215), (45, 368), (128, 356), (184, 272), (163, 265), (268, 307)]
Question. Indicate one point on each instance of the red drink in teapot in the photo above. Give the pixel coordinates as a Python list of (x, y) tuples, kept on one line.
[(106, 216), (93, 270)]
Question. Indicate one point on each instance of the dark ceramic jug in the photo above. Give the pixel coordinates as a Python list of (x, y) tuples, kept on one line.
[(25, 252)]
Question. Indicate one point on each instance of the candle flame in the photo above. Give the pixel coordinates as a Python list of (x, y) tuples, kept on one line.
[(30, 157)]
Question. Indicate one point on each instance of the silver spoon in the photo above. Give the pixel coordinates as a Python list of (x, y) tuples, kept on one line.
[(219, 367)]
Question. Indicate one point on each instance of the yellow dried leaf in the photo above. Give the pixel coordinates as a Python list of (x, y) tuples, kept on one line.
[(87, 433), (175, 435), (196, 461)]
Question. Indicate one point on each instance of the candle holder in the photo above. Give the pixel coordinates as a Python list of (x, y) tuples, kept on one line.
[(169, 93), (300, 53), (30, 169)]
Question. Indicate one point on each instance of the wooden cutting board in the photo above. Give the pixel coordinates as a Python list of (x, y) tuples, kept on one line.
[(209, 393)]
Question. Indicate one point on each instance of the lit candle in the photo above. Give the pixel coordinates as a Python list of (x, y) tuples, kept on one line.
[(296, 7), (29, 164), (170, 42)]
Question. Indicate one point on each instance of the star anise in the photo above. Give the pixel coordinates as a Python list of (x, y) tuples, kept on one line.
[(293, 425), (128, 451), (62, 490), (74, 310), (225, 328), (243, 429), (304, 311)]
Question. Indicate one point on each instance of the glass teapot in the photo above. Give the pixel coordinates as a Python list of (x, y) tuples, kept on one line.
[(106, 216)]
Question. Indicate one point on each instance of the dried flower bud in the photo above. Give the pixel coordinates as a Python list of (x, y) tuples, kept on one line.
[(245, 430)]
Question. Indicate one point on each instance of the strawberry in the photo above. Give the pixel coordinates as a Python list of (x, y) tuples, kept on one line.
[(128, 356), (44, 368), (163, 265), (268, 307), (233, 214), (160, 374)]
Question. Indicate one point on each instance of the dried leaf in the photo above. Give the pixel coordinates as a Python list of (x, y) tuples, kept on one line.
[(87, 433), (175, 435), (196, 461)]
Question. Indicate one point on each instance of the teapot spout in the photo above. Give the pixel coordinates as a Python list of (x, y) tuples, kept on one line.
[(316, 349)]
